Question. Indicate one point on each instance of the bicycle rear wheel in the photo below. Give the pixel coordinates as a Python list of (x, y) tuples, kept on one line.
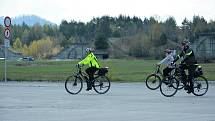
[(153, 81), (101, 84), (200, 86), (169, 87), (73, 84)]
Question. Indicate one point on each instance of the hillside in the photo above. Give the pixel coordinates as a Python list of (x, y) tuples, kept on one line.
[(30, 20)]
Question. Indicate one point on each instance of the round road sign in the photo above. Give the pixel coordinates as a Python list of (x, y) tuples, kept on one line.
[(7, 33), (7, 21)]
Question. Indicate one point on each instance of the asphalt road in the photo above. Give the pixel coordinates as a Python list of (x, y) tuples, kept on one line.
[(43, 101)]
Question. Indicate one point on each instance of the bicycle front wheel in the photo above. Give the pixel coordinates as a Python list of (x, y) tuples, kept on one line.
[(101, 84), (153, 81), (200, 86), (73, 84), (169, 87)]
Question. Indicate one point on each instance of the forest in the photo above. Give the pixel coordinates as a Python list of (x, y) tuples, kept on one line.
[(136, 37)]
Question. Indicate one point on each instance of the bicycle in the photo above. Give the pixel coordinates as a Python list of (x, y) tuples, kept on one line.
[(200, 83), (168, 86), (153, 81), (101, 84)]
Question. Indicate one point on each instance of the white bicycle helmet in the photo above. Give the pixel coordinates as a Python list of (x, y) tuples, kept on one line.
[(88, 50)]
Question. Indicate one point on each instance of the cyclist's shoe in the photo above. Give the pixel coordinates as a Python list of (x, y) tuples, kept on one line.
[(89, 88), (190, 90), (186, 87), (165, 81)]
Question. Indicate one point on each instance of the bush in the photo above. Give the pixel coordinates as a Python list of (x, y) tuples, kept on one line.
[(43, 48)]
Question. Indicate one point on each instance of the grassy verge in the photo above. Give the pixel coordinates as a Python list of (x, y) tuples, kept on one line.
[(120, 70)]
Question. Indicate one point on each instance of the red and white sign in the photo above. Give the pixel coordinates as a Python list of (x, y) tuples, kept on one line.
[(7, 33), (7, 21)]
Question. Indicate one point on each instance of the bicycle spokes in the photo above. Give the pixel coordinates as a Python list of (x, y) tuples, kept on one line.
[(200, 86), (101, 85), (169, 87), (73, 85), (75, 82)]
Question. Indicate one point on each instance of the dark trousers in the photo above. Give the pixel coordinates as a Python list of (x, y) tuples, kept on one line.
[(166, 71), (91, 71), (191, 71)]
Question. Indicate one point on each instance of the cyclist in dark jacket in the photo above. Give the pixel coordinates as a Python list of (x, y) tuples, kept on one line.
[(189, 62)]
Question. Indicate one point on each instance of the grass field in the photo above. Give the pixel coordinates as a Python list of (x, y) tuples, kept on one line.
[(120, 70)]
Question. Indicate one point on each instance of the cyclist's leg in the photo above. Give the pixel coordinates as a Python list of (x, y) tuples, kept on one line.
[(166, 72), (191, 72), (182, 68), (90, 71), (184, 79)]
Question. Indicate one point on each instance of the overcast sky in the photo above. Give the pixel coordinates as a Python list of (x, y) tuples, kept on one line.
[(84, 10)]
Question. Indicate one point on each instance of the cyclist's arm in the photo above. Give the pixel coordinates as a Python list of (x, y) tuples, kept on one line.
[(178, 56), (164, 61), (187, 55), (85, 60)]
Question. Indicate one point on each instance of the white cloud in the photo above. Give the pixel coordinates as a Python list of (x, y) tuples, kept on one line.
[(85, 10)]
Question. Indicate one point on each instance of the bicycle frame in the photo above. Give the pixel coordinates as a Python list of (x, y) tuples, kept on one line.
[(83, 75), (158, 71)]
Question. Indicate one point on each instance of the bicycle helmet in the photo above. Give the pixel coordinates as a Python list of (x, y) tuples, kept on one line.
[(168, 51), (185, 42), (88, 50)]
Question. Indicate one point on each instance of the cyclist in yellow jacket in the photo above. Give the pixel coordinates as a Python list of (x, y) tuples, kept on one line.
[(92, 61)]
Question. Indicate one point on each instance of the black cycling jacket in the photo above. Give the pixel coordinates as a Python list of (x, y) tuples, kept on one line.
[(188, 56)]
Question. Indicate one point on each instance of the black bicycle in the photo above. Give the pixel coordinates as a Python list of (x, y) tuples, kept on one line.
[(101, 83), (200, 83), (168, 86)]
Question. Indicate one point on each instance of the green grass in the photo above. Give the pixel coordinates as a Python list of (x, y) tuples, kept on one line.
[(120, 70)]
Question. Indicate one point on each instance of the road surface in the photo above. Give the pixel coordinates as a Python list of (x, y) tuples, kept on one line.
[(44, 101)]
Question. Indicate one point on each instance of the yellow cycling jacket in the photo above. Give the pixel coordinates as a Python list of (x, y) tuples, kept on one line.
[(91, 60)]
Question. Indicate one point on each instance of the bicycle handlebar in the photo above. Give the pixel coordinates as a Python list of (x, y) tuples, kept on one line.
[(79, 66)]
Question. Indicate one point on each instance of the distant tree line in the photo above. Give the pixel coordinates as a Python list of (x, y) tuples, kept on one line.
[(139, 38)]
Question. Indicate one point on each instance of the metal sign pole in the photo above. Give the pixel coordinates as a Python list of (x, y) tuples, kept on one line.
[(7, 34), (5, 64)]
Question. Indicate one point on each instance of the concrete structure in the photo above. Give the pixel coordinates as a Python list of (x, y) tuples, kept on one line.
[(10, 54), (77, 51), (204, 46)]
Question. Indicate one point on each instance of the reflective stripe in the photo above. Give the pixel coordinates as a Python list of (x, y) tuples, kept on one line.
[(91, 64), (96, 61), (189, 53)]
